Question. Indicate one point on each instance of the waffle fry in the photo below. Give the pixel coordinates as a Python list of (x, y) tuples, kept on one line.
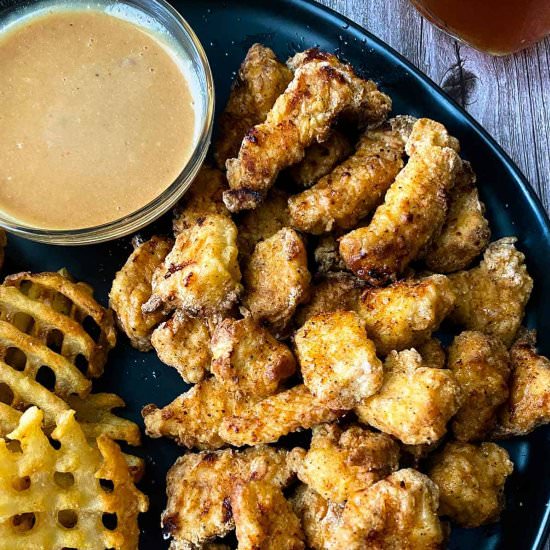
[(54, 310), (64, 504)]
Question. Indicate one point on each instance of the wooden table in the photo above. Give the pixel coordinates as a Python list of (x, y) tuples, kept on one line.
[(509, 96)]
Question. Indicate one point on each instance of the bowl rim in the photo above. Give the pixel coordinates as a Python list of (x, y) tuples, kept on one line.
[(164, 201)]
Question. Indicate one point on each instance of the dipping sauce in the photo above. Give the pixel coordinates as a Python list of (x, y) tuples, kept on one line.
[(96, 119)]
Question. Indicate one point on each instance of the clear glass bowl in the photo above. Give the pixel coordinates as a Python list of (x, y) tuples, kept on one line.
[(160, 18)]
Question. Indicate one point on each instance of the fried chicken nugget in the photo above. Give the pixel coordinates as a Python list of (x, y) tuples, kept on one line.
[(413, 212), (335, 291), (183, 342), (342, 462), (263, 222), (199, 487), (465, 233), (264, 519), (200, 275), (415, 402), (481, 367), (247, 359), (261, 80), (320, 159), (193, 419), (340, 199), (276, 279), (491, 298), (322, 89), (338, 362), (327, 256), (528, 405), (318, 516), (203, 198), (397, 513), (471, 482), (406, 313), (132, 288), (268, 420), (432, 353)]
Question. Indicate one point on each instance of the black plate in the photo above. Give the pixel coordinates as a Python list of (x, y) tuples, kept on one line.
[(226, 30)]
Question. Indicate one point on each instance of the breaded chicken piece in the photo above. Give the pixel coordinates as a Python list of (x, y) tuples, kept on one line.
[(3, 243), (193, 419), (415, 402), (397, 513), (199, 487), (491, 298), (432, 353), (184, 343), (204, 197), (404, 314), (471, 482), (528, 405), (322, 88), (201, 274), (276, 279), (262, 78), (338, 362), (465, 233), (355, 187), (268, 420), (425, 132), (342, 462), (413, 212), (248, 360), (263, 222), (327, 256), (264, 519), (321, 158), (335, 291), (132, 288), (481, 367), (318, 516)]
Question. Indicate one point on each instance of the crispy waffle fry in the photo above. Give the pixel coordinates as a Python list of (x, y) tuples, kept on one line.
[(60, 502), (56, 311)]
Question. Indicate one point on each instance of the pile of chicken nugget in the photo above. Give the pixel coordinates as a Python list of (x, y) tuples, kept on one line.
[(307, 276)]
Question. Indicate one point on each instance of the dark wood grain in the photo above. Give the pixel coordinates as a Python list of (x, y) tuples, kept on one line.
[(509, 96)]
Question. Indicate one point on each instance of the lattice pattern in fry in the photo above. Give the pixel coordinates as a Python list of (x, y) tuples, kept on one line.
[(73, 496)]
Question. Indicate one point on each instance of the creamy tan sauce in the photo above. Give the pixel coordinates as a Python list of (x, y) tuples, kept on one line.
[(96, 119)]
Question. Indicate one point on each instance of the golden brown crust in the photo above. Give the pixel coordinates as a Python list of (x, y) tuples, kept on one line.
[(322, 88), (338, 362), (261, 80), (413, 212), (264, 519), (528, 405), (355, 187), (276, 279), (481, 367), (405, 314), (342, 462), (247, 359), (204, 197), (397, 513), (335, 291), (275, 416), (200, 275), (432, 353), (491, 298), (199, 487), (131, 288), (263, 222), (321, 158), (471, 482), (465, 233), (415, 402), (184, 343)]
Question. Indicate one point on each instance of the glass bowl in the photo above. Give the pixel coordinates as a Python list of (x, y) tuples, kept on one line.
[(161, 19)]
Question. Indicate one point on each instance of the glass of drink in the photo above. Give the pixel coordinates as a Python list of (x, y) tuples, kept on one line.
[(499, 27)]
